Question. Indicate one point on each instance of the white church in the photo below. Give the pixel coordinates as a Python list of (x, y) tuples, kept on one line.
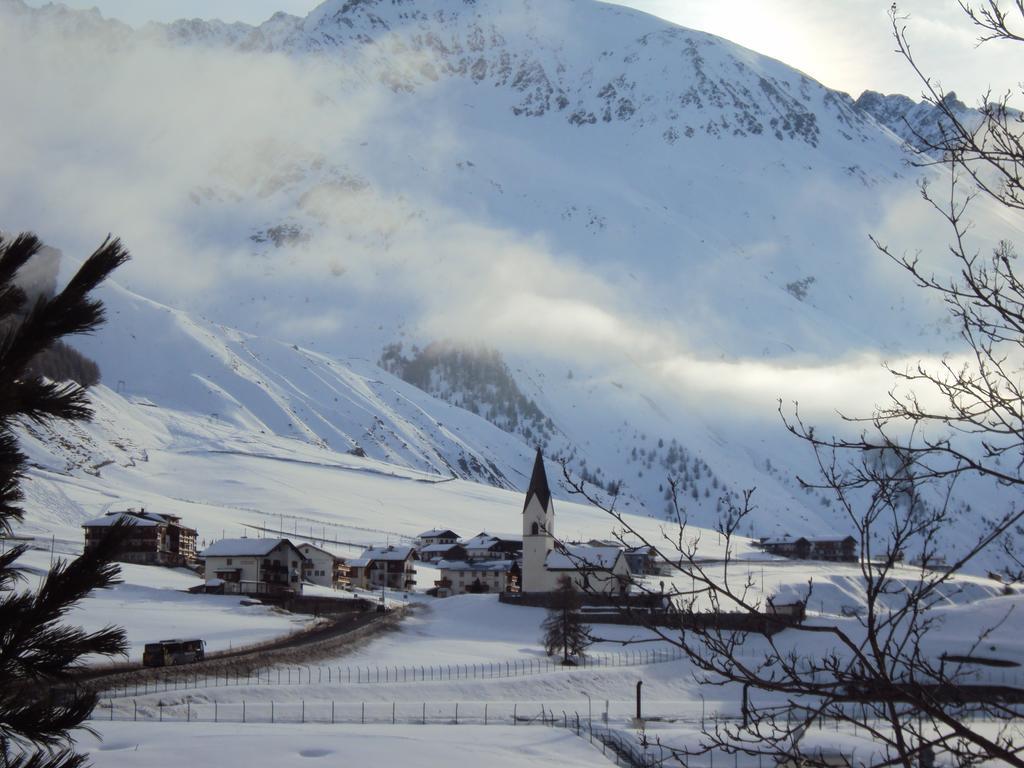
[(601, 570)]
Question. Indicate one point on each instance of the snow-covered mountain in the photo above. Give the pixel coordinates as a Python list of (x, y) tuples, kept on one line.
[(918, 123), (651, 232)]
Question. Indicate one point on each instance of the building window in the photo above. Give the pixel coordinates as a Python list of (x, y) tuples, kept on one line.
[(535, 529), (229, 561)]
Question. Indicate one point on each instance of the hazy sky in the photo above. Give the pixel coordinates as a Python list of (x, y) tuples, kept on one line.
[(845, 44)]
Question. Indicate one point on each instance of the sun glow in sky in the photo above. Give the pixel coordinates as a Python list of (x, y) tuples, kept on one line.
[(845, 44)]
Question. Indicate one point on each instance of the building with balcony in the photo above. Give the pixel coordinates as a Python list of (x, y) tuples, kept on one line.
[(253, 566), (154, 538)]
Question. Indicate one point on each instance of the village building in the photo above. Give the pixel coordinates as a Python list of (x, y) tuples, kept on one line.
[(487, 546), (434, 537), (390, 567), (601, 569), (253, 566), (154, 538), (830, 548), (642, 560), (460, 577), (323, 568), (436, 552)]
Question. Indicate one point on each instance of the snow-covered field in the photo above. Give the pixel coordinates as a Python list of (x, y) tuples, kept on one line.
[(168, 745), (151, 605)]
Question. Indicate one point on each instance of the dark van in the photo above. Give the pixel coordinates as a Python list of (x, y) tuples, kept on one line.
[(167, 653)]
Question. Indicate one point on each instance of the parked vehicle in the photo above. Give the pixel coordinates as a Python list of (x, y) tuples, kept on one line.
[(167, 653)]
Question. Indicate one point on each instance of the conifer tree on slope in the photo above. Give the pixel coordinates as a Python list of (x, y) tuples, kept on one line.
[(564, 632), (36, 649)]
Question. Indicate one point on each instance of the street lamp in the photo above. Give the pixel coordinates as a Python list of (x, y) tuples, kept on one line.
[(590, 715)]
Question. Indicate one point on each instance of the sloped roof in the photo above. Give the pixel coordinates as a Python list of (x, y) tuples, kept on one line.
[(782, 541), (241, 547), (480, 541), (143, 520), (385, 553), (140, 519), (432, 548), (439, 533), (487, 565), (483, 540), (829, 539), (573, 557), (306, 545), (538, 484)]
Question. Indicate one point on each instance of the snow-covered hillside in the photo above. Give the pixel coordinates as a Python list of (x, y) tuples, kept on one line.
[(660, 232)]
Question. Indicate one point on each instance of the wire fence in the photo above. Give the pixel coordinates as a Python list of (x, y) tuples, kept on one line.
[(623, 748), (374, 674), (615, 737)]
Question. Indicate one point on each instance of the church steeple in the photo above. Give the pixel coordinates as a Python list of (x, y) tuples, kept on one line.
[(538, 530), (538, 484)]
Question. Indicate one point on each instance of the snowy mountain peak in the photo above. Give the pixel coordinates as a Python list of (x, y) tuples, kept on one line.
[(581, 61), (919, 124)]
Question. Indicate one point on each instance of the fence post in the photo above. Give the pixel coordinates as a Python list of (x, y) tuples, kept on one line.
[(485, 714), (303, 710), (188, 710), (424, 713), (332, 711), (515, 713), (362, 713), (271, 710), (456, 713), (392, 713), (135, 716), (160, 706), (215, 717), (243, 710)]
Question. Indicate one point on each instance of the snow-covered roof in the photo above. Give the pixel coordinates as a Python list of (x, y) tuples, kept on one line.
[(307, 546), (484, 540), (480, 541), (432, 548), (391, 553), (439, 533), (140, 519), (487, 565), (572, 557), (241, 547), (784, 540), (359, 562), (828, 539)]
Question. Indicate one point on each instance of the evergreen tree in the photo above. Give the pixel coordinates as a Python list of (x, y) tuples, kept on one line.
[(564, 631), (36, 650)]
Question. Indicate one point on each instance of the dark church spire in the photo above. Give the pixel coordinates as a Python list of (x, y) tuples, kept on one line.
[(538, 484)]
